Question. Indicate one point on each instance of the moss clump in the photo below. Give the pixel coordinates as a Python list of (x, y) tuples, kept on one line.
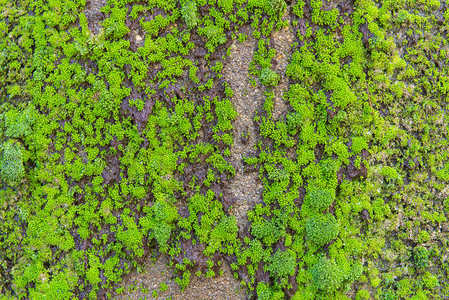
[(322, 229), (421, 257), (269, 77), (326, 275), (282, 263), (277, 6), (265, 292), (268, 231), (18, 124), (189, 14), (11, 162), (320, 199)]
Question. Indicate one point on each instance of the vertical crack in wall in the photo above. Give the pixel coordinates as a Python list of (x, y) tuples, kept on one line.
[(282, 41), (93, 14), (245, 186)]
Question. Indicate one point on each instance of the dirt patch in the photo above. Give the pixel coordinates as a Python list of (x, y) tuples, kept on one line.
[(93, 14), (157, 274), (245, 185), (282, 41)]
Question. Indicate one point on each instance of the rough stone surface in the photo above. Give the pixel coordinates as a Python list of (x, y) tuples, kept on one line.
[(245, 186), (138, 286), (93, 14), (282, 41)]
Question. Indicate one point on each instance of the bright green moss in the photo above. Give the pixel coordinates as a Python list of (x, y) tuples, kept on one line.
[(326, 275), (12, 170), (421, 257), (18, 124), (264, 292), (268, 231), (320, 199), (282, 263), (115, 25), (184, 281), (224, 233), (322, 229), (269, 77), (215, 36), (277, 6), (109, 174), (363, 294)]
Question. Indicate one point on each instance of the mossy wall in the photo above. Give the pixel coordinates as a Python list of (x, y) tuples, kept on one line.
[(115, 146)]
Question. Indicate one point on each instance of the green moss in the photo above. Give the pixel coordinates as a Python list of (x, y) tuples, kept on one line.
[(277, 6), (421, 257), (320, 199), (326, 275), (322, 229), (265, 292), (363, 294), (282, 263), (363, 135), (268, 231), (269, 77), (12, 170)]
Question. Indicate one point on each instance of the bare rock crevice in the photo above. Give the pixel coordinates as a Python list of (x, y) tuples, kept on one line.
[(156, 274), (93, 14), (282, 41), (245, 186)]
